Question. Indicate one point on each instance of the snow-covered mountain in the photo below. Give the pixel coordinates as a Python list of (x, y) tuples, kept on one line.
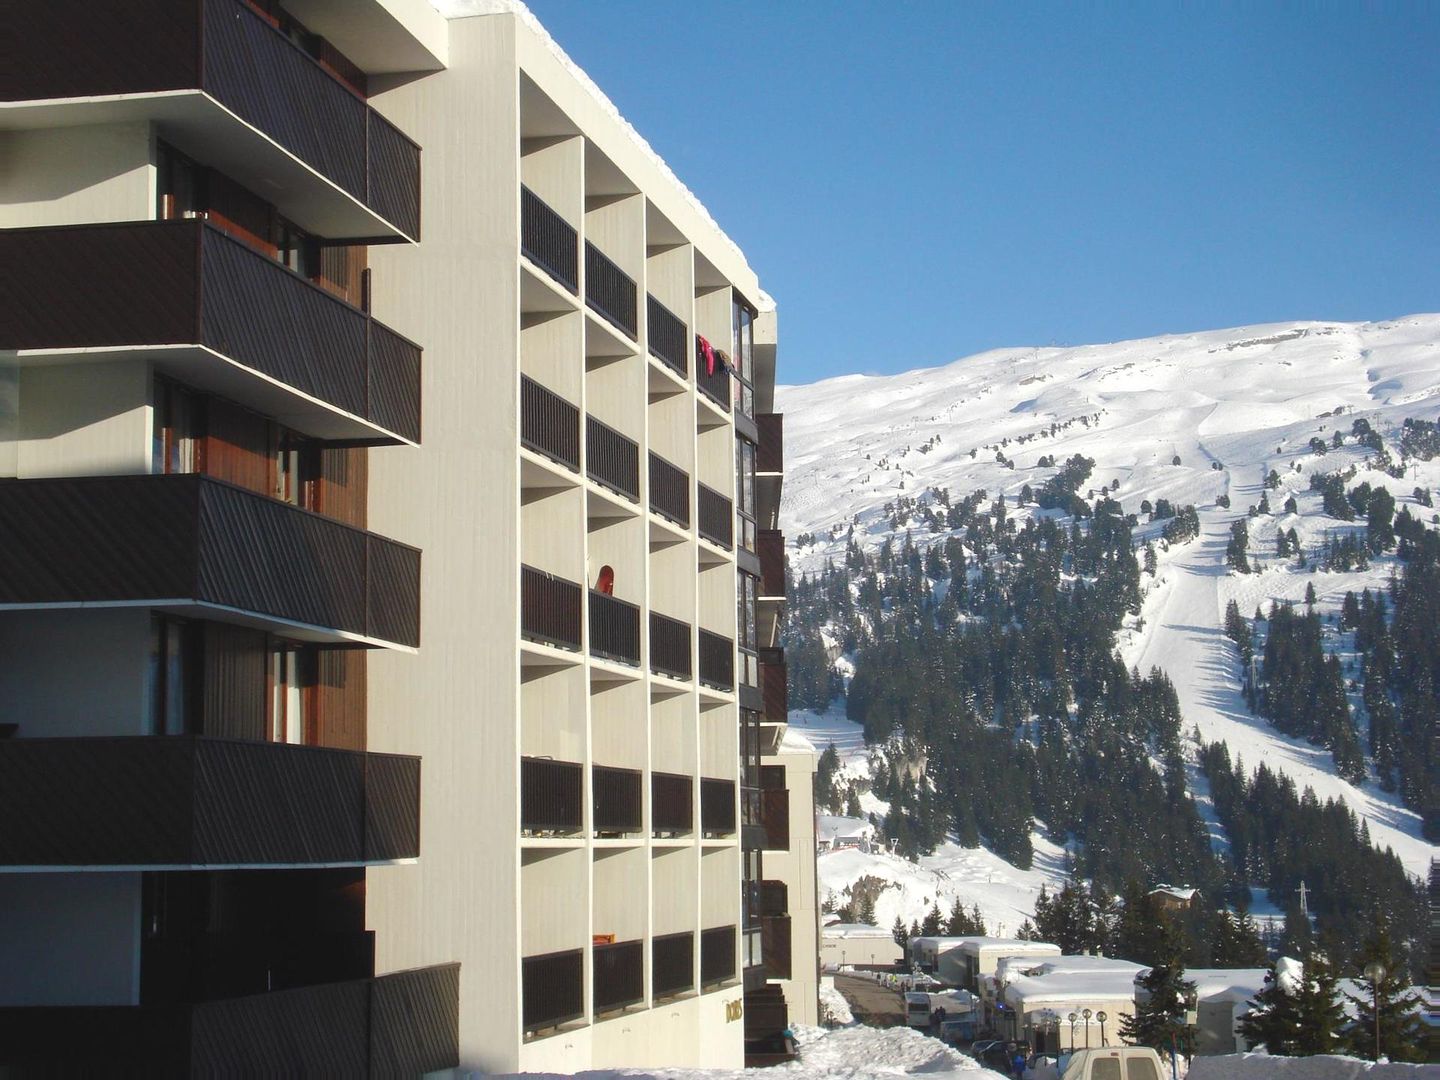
[(1230, 405)]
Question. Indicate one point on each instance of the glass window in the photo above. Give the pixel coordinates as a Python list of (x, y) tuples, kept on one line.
[(1141, 1069), (745, 492), (1105, 1069), (177, 429), (171, 679), (291, 697), (295, 458), (744, 359)]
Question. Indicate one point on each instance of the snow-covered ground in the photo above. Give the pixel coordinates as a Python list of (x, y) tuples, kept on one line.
[(1230, 404)]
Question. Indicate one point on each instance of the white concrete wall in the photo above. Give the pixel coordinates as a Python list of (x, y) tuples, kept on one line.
[(70, 939), (837, 951), (69, 673), (84, 420), (796, 868), (77, 175)]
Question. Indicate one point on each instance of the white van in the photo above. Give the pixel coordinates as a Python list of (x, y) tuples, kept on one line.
[(917, 1009), (1115, 1063)]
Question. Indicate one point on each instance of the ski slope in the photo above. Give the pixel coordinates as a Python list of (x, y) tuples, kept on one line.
[(1231, 405)]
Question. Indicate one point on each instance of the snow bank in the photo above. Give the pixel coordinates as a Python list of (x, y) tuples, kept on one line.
[(833, 1002), (1320, 1067)]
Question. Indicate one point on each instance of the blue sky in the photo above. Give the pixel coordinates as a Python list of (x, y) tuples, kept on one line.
[(917, 181)]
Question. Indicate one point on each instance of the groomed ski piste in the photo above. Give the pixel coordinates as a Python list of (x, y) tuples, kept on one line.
[(1231, 405)]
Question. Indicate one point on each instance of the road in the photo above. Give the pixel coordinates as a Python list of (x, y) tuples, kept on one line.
[(872, 1004)]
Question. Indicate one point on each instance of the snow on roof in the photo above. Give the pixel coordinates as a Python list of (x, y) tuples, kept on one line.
[(1010, 946), (1114, 984), (831, 827), (854, 930), (1180, 892), (1078, 965), (462, 9), (795, 743), (1226, 984)]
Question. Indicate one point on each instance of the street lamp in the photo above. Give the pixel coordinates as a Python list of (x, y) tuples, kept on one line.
[(1072, 1018), (1102, 1018), (1086, 1014), (1375, 972)]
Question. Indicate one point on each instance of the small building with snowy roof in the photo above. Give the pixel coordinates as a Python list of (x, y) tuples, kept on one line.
[(835, 833), (858, 945), (1036, 1003), (1174, 897), (1222, 996)]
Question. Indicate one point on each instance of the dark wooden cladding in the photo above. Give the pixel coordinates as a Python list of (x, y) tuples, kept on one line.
[(667, 336), (236, 663), (84, 48), (717, 661), (188, 538), (669, 646), (717, 955), (552, 989), (341, 701), (717, 807), (669, 491), (614, 629), (616, 801), (775, 817), (774, 682), (551, 796), (549, 608), (672, 803), (717, 517), (713, 381), (187, 800), (770, 546), (672, 964), (549, 424), (549, 241), (404, 1023), (774, 897), (618, 975), (612, 459), (237, 448), (609, 291), (188, 283), (343, 487), (770, 454), (775, 945)]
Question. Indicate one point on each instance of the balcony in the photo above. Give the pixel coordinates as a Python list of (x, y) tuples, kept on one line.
[(552, 989), (549, 241), (666, 336), (713, 381), (717, 955), (669, 491), (717, 518), (669, 646), (611, 459), (672, 804), (227, 88), (213, 313), (619, 975), (775, 686), (775, 945), (616, 800), (717, 807), (614, 629), (188, 801), (775, 818), (774, 898), (549, 424), (672, 964), (402, 1024), (770, 456), (191, 545), (770, 546), (551, 797), (609, 291), (717, 661), (549, 609)]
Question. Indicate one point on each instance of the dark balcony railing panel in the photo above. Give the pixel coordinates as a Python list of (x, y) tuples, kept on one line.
[(609, 291), (667, 336), (770, 546), (717, 807), (672, 803), (672, 964), (775, 945), (717, 661), (617, 798), (549, 241), (393, 178), (549, 424), (775, 817), (553, 989), (774, 685), (770, 455), (766, 1015), (188, 968), (190, 538), (614, 629), (774, 898), (549, 608), (669, 491), (189, 800), (669, 646), (405, 1023), (619, 975), (717, 955), (717, 516), (612, 459), (713, 379), (187, 283), (551, 799)]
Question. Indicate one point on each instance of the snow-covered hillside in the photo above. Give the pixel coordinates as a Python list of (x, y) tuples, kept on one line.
[(1231, 405)]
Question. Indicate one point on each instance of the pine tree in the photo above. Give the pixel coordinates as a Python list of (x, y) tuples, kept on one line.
[(1318, 1008), (866, 913), (1273, 1021), (1159, 1019), (901, 935), (932, 924), (1402, 1030)]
